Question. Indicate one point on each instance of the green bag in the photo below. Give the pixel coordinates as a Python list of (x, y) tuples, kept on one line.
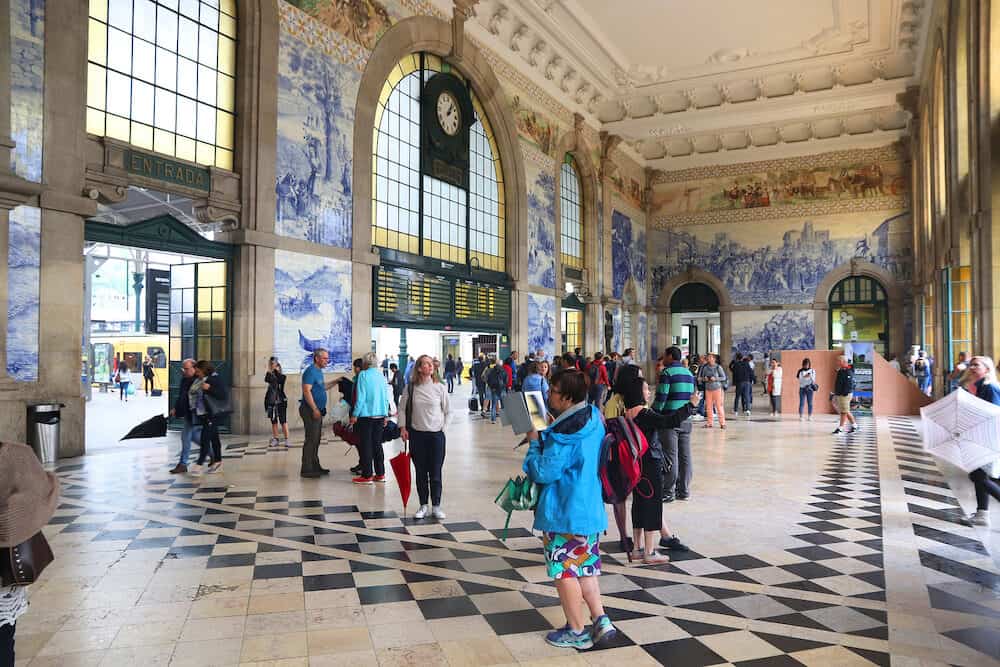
[(519, 493)]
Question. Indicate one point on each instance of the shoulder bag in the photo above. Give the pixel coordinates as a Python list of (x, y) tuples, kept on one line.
[(23, 564)]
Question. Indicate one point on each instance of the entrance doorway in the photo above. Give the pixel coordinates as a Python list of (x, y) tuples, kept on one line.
[(156, 292), (859, 313), (461, 345), (696, 325)]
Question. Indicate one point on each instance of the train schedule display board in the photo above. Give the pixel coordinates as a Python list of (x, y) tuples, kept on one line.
[(157, 301)]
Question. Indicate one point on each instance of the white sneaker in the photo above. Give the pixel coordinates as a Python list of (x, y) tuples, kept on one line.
[(438, 513), (747, 413), (273, 443), (978, 518), (697, 418), (801, 418), (810, 417), (421, 513)]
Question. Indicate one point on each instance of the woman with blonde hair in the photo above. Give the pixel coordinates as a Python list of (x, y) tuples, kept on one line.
[(423, 413), (980, 378), (370, 413)]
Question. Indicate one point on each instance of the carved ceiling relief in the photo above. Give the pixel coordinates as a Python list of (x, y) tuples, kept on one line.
[(863, 51)]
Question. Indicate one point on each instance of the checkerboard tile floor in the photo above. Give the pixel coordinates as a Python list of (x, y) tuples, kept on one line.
[(246, 570)]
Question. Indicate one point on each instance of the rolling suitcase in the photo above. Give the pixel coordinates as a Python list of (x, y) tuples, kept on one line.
[(473, 404)]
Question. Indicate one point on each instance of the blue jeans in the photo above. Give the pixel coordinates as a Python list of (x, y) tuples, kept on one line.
[(805, 395), (188, 433), (744, 395), (496, 400), (450, 379)]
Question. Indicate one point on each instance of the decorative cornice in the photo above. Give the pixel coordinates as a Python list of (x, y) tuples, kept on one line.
[(813, 209), (831, 158)]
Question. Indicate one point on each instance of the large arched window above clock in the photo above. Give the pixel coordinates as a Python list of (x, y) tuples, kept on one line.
[(456, 218), (570, 214)]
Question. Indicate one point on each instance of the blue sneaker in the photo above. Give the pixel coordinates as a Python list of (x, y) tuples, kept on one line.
[(566, 638), (603, 630)]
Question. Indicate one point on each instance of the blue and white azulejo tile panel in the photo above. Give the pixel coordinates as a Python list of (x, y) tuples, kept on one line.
[(542, 324), (541, 224), (23, 285), (312, 309), (27, 65)]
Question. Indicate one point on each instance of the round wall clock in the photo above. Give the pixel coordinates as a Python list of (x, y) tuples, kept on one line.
[(449, 115)]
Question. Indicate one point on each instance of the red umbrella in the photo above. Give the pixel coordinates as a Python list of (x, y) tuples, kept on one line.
[(401, 469)]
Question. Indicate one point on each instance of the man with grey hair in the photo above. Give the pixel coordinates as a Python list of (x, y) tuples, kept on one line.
[(312, 408), (182, 410), (842, 389)]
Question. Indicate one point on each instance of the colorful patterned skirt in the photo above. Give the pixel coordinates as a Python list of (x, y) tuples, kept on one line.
[(569, 556)]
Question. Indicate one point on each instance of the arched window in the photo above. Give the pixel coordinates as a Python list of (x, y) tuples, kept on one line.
[(162, 76), (417, 213), (859, 311), (570, 214)]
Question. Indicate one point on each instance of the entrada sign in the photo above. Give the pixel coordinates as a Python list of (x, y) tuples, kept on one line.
[(168, 171)]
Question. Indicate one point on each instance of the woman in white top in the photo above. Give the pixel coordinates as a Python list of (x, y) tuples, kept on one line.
[(807, 381), (124, 380), (423, 412), (774, 374)]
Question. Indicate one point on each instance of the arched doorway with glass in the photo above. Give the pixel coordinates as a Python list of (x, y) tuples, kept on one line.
[(859, 313), (696, 323)]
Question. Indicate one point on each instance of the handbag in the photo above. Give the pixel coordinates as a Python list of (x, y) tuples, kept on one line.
[(217, 407), (519, 493), (23, 564), (814, 387)]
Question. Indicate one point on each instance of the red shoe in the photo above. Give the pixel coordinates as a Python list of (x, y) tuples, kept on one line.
[(363, 480), (379, 478)]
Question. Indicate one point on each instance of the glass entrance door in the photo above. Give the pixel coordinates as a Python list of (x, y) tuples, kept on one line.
[(199, 319)]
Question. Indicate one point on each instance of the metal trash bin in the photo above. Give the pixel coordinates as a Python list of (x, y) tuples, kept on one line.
[(43, 430)]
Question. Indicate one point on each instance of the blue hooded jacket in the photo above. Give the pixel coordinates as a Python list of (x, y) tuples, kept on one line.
[(372, 394), (565, 465)]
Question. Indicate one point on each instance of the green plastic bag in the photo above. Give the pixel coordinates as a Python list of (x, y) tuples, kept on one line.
[(519, 493)]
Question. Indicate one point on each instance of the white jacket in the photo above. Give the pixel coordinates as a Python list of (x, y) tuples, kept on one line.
[(775, 374)]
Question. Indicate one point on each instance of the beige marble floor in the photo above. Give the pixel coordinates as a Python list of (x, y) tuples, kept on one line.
[(258, 566)]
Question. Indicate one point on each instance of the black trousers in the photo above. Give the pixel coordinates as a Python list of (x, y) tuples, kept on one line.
[(147, 384), (647, 513), (7, 644), (985, 487), (676, 443), (427, 450), (369, 431), (209, 441)]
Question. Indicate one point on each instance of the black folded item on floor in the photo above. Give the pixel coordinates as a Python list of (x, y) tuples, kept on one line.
[(155, 427)]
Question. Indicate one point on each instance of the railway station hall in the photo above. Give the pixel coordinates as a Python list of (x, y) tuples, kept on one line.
[(499, 332)]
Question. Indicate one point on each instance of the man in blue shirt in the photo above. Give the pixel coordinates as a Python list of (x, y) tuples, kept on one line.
[(312, 408)]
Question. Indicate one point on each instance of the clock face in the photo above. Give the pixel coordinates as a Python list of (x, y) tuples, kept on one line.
[(448, 114)]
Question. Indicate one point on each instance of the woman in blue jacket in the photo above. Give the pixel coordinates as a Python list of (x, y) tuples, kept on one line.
[(535, 381), (563, 460), (370, 412)]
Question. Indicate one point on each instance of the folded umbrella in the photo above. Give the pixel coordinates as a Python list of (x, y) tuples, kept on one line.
[(963, 430), (401, 470), (154, 427)]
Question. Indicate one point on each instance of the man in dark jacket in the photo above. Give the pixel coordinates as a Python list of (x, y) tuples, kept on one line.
[(744, 378), (182, 410), (843, 387)]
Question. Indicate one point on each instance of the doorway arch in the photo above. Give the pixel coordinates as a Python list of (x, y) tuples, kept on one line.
[(859, 310), (678, 286), (893, 299)]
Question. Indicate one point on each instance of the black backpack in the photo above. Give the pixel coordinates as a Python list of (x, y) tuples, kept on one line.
[(594, 373), (496, 378)]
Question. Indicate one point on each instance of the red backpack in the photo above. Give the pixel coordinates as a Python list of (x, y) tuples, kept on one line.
[(620, 467)]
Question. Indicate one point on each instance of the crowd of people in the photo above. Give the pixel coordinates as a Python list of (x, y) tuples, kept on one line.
[(582, 395)]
